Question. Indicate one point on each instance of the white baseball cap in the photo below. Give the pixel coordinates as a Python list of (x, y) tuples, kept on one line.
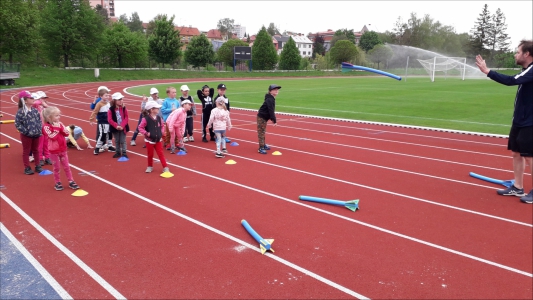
[(185, 102), (151, 104), (117, 96), (184, 88), (42, 94), (103, 88), (153, 91), (36, 96)]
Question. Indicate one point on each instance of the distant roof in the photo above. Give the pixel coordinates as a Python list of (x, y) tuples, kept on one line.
[(188, 31)]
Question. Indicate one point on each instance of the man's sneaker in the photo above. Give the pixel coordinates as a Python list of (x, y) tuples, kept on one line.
[(528, 198), (111, 149), (47, 161), (204, 140), (262, 151), (73, 185), (38, 169), (224, 150), (117, 155), (28, 171), (512, 191), (219, 155), (266, 147), (165, 169), (149, 170), (191, 139), (185, 139), (58, 186), (133, 143), (96, 151), (41, 162), (227, 140)]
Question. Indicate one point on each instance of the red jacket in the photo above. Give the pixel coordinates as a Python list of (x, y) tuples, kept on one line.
[(56, 137)]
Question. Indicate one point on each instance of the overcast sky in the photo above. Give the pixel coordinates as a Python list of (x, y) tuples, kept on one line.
[(313, 16)]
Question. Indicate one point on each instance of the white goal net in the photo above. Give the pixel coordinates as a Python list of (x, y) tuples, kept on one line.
[(450, 66)]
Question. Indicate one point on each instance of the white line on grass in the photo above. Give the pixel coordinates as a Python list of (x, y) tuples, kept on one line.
[(416, 240), (64, 249), (36, 264)]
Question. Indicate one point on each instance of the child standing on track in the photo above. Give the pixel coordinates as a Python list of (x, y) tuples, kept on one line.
[(169, 105), (40, 104), (117, 116), (153, 96), (220, 120), (152, 127), (176, 125), (206, 96), (189, 123), (221, 89), (75, 132), (28, 123), (56, 132), (266, 112), (100, 115)]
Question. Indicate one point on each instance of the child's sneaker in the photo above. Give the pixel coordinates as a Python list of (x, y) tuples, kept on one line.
[(41, 162), (132, 143), (47, 161), (111, 149), (73, 185), (224, 150), (28, 171), (185, 139), (31, 158), (96, 151), (58, 186), (204, 140), (528, 198), (172, 150), (512, 191), (266, 147), (191, 139), (182, 149), (116, 155), (227, 140), (165, 169), (149, 170), (219, 155), (125, 155), (213, 139), (38, 169), (262, 151)]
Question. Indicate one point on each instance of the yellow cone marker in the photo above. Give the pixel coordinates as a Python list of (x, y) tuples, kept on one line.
[(231, 162), (167, 175), (4, 145), (276, 153), (80, 193)]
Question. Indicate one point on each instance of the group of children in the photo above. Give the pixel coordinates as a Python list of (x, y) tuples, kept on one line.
[(165, 124)]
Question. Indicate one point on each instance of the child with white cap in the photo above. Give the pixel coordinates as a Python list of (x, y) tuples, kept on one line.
[(154, 95), (176, 125), (117, 116), (152, 127), (220, 121), (40, 104), (189, 122)]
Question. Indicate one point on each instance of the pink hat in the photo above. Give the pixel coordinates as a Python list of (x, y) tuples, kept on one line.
[(25, 94)]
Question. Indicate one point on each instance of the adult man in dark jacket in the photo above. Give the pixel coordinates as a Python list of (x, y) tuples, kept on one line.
[(521, 135)]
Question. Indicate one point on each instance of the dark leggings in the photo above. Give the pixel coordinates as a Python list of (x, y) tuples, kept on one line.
[(136, 132), (188, 126)]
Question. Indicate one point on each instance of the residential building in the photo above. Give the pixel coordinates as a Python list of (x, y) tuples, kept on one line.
[(107, 4), (186, 34), (304, 44), (239, 31), (328, 35)]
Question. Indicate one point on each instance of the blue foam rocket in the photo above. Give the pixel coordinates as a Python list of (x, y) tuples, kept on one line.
[(264, 244), (352, 205), (506, 183), (347, 67)]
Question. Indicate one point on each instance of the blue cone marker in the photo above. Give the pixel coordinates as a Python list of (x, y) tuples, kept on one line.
[(352, 205), (264, 244)]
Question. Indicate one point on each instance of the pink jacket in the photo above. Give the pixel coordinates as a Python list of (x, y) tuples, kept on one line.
[(219, 119), (56, 137), (176, 120)]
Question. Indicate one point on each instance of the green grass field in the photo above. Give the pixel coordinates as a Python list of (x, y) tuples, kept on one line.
[(478, 105)]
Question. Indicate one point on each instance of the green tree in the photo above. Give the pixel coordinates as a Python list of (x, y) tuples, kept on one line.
[(337, 38), (479, 38), (18, 29), (380, 53), (164, 44), (346, 33), (343, 51), (69, 27), (264, 56), (134, 23), (318, 45), (368, 40), (199, 52), (225, 52), (272, 29), (226, 26), (123, 46), (103, 13), (290, 56), (498, 40), (151, 25)]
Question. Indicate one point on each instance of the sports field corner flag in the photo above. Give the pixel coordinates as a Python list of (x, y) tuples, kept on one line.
[(80, 193)]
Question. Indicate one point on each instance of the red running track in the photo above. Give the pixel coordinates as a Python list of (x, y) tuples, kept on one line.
[(426, 229)]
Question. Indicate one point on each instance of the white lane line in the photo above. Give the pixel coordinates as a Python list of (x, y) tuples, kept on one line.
[(323, 211), (203, 225), (36, 264), (65, 250)]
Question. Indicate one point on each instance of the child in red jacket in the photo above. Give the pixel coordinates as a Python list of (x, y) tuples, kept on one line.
[(56, 132)]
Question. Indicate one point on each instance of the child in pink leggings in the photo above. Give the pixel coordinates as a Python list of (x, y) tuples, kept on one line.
[(56, 132)]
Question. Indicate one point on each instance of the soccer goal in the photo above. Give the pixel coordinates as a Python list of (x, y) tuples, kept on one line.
[(452, 66)]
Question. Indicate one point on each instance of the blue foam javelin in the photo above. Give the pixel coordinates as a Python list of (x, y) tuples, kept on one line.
[(347, 66), (506, 183), (264, 244)]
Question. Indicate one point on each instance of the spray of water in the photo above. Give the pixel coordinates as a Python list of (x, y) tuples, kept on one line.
[(402, 52)]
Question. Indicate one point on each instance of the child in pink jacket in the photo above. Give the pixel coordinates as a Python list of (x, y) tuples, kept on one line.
[(176, 125), (220, 120)]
